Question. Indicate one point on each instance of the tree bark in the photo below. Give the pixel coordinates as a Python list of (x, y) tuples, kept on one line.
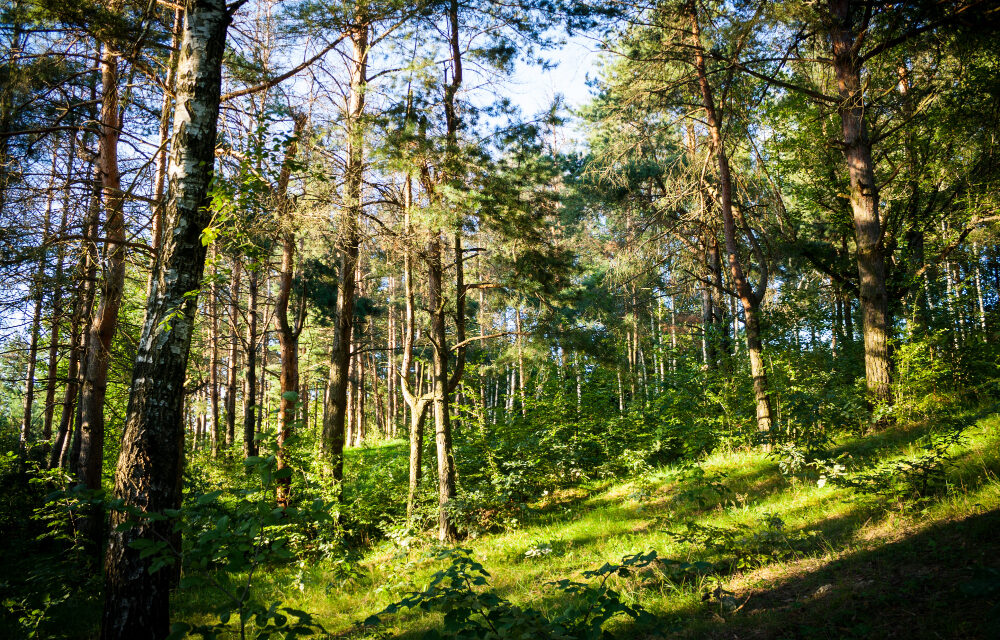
[(57, 307), (161, 156), (288, 329), (87, 293), (250, 407), (38, 293), (751, 299), (137, 603), (60, 448), (864, 204), (335, 414), (213, 364), (440, 391), (412, 393), (104, 325), (232, 384)]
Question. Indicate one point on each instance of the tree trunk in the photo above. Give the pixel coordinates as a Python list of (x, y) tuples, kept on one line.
[(390, 382), (38, 293), (234, 352), (213, 374), (418, 414), (137, 603), (977, 274), (521, 392), (250, 407), (864, 204), (440, 391), (161, 156), (97, 359), (750, 298), (87, 291), (412, 394), (288, 330), (707, 349), (60, 448), (335, 414), (721, 327), (57, 307)]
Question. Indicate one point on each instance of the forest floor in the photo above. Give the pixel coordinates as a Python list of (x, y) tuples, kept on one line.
[(790, 558)]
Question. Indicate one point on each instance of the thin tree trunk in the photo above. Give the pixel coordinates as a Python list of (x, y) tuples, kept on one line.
[(721, 326), (412, 394), (520, 361), (57, 305), (213, 374), (981, 307), (234, 352), (250, 408), (60, 448), (263, 404), (707, 355), (97, 359), (38, 293), (673, 334), (161, 156), (750, 298), (87, 291), (442, 430), (390, 383), (288, 329), (137, 602)]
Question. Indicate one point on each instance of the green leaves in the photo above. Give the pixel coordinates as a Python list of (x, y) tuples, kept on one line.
[(228, 536), (744, 546), (472, 610), (206, 498)]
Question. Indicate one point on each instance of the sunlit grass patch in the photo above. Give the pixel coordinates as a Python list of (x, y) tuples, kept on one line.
[(778, 549)]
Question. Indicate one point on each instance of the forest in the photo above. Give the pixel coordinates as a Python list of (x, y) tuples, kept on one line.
[(371, 319)]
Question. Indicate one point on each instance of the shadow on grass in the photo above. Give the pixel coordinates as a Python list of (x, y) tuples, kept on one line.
[(919, 587)]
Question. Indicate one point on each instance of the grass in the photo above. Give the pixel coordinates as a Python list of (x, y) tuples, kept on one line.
[(852, 565)]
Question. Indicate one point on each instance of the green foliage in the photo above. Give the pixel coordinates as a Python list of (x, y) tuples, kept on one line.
[(744, 546), (50, 577), (911, 480), (700, 487), (925, 385), (472, 610), (229, 538)]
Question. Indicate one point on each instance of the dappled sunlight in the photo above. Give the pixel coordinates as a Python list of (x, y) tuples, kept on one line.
[(626, 517)]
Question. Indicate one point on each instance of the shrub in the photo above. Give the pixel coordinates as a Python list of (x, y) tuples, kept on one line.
[(473, 610), (744, 547)]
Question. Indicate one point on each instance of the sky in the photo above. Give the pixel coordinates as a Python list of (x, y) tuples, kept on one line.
[(533, 89)]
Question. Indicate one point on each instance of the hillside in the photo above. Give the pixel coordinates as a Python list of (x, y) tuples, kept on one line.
[(782, 557)]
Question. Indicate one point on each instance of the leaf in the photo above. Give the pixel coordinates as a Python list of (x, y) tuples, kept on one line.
[(178, 630), (211, 496), (209, 235)]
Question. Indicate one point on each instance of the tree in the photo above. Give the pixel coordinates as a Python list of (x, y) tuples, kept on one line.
[(147, 479)]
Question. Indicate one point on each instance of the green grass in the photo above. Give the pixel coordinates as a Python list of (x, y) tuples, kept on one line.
[(872, 567)]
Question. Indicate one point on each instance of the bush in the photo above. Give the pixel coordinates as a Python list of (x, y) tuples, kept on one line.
[(473, 610), (744, 547)]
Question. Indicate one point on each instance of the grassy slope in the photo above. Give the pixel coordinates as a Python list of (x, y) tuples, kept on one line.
[(873, 570)]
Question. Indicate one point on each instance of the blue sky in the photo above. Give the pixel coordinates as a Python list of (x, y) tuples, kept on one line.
[(533, 90)]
